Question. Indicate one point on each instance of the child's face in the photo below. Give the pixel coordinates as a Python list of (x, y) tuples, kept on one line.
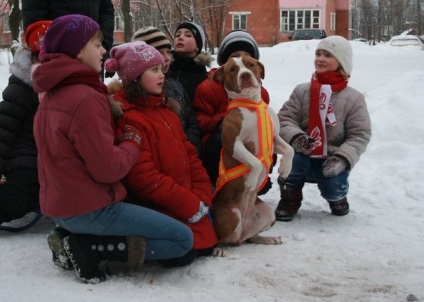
[(166, 54), (324, 61), (92, 53), (152, 80), (184, 42)]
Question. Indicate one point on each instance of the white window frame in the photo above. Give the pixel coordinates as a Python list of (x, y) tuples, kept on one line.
[(238, 17), (332, 21), (291, 19)]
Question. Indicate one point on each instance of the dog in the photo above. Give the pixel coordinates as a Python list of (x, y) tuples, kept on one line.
[(238, 214)]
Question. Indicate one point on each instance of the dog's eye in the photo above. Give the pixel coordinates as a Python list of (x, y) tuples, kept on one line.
[(232, 69), (251, 65)]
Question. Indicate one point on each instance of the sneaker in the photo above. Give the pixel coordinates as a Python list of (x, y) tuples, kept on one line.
[(339, 208), (84, 260), (55, 241)]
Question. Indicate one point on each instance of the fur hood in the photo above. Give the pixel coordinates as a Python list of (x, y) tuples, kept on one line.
[(204, 59), (21, 65)]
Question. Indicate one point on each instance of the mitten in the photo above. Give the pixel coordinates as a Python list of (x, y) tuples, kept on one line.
[(303, 144), (130, 134), (203, 210), (334, 165)]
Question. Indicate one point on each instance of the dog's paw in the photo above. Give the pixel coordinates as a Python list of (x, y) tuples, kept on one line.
[(266, 240), (219, 252)]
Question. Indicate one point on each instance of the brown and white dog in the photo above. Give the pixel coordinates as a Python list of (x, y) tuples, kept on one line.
[(238, 213)]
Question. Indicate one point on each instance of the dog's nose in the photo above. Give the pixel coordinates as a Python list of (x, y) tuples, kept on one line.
[(245, 76)]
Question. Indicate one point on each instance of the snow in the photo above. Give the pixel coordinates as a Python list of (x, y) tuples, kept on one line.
[(373, 254)]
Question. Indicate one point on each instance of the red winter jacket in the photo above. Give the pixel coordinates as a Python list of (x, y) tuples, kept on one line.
[(169, 176), (210, 104)]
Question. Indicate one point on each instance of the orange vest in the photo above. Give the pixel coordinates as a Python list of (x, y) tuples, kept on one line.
[(266, 142)]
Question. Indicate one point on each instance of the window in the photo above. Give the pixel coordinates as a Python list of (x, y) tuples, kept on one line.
[(5, 22), (299, 19), (118, 23), (240, 20), (333, 21)]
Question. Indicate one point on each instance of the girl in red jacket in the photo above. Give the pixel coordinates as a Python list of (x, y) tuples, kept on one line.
[(168, 177)]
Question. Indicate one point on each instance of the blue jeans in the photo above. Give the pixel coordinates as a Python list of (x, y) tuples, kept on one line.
[(307, 169), (166, 238)]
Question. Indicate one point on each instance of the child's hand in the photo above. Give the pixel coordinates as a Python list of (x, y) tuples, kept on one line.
[(303, 144), (334, 165), (203, 210), (130, 134)]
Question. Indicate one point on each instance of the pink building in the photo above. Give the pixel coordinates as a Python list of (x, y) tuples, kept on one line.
[(331, 15)]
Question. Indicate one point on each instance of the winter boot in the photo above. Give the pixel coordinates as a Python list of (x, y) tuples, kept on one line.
[(87, 251), (55, 241), (339, 208), (290, 202)]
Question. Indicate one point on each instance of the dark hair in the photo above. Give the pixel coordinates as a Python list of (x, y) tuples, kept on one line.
[(134, 91)]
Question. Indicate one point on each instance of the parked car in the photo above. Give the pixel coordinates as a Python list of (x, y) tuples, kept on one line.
[(308, 34), (406, 40)]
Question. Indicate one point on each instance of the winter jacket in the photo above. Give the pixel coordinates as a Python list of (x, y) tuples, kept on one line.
[(102, 11), (79, 167), (169, 176), (348, 138), (210, 104), (190, 72), (17, 110), (175, 90)]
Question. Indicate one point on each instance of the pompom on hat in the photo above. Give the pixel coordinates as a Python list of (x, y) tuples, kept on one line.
[(152, 36), (237, 40), (341, 49), (34, 35), (69, 34), (131, 59), (198, 32)]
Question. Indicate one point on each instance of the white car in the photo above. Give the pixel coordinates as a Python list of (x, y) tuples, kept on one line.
[(406, 40)]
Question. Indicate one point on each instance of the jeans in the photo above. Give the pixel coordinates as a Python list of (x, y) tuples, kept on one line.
[(166, 237), (307, 169)]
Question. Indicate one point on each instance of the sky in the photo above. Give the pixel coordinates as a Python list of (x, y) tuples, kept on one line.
[(374, 254)]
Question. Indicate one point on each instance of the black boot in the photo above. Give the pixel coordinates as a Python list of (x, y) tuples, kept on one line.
[(339, 208), (55, 241), (290, 202), (87, 251)]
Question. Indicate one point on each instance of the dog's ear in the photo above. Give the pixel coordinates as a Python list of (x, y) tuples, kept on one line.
[(262, 67), (219, 74)]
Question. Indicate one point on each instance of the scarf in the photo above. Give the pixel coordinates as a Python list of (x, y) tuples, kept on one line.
[(321, 110)]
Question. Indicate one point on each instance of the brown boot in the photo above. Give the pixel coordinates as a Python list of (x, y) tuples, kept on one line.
[(290, 202), (339, 208)]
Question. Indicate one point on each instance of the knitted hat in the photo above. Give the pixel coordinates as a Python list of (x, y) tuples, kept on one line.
[(34, 35), (340, 48), (69, 34), (197, 30), (234, 41), (131, 59), (152, 36)]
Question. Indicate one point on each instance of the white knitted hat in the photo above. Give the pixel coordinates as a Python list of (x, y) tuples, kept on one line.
[(340, 48)]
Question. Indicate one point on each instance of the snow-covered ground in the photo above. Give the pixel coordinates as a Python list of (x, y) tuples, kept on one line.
[(374, 254)]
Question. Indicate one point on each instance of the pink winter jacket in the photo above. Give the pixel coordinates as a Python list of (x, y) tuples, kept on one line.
[(79, 167)]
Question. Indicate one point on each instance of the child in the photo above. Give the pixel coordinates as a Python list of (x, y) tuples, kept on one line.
[(211, 101), (172, 88), (18, 153), (189, 62), (328, 125), (169, 177), (80, 166)]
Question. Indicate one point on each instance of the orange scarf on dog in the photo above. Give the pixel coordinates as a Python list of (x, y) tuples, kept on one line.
[(266, 142)]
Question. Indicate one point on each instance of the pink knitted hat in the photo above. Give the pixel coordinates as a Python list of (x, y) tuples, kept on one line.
[(131, 59)]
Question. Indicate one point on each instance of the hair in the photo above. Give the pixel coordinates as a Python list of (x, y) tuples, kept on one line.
[(134, 90)]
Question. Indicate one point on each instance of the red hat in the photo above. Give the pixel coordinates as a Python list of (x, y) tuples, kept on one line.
[(34, 35)]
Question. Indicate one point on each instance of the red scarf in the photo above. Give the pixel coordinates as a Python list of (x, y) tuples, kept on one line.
[(321, 110)]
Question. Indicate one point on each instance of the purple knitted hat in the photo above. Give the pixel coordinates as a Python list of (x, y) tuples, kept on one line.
[(131, 59), (69, 34)]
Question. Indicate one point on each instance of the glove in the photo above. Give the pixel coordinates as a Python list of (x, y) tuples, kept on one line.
[(303, 144), (203, 210), (130, 134), (334, 165)]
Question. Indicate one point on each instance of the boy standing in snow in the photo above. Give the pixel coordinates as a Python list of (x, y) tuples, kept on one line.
[(80, 166), (328, 125)]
